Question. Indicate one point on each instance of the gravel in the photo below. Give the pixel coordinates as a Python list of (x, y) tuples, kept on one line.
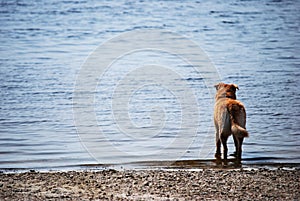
[(208, 184)]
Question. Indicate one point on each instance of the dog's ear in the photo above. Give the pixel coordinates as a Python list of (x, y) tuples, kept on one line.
[(217, 86), (235, 86)]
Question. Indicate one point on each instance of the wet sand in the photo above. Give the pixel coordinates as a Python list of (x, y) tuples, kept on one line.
[(209, 184)]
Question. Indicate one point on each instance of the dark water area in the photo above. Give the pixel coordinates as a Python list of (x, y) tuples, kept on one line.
[(43, 46)]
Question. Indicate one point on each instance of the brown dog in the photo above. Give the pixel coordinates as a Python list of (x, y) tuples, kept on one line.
[(229, 118)]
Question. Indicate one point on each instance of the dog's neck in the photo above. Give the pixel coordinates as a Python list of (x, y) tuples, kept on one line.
[(226, 94)]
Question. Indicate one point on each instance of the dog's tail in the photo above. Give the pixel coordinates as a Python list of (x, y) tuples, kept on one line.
[(239, 131), (237, 113)]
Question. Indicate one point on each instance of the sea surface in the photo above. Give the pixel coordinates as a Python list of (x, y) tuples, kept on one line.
[(148, 102)]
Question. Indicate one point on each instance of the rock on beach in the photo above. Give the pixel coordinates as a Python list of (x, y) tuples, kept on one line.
[(209, 184)]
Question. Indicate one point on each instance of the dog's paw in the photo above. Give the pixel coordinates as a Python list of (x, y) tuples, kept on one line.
[(218, 155)]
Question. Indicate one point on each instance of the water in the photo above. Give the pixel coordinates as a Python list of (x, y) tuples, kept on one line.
[(43, 46)]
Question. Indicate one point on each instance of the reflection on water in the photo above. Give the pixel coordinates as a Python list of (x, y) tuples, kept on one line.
[(197, 165), (43, 46)]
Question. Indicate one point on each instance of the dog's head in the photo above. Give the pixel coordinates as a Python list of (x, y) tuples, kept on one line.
[(226, 90)]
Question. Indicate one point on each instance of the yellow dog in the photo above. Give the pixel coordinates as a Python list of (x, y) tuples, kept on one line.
[(229, 118)]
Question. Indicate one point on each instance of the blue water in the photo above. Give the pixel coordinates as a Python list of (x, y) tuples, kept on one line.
[(43, 46)]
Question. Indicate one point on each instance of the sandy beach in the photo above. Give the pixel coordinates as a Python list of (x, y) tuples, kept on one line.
[(209, 184)]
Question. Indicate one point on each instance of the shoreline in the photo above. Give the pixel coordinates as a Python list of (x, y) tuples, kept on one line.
[(158, 165), (155, 184)]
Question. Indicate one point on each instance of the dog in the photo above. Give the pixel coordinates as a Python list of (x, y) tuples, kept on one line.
[(229, 118)]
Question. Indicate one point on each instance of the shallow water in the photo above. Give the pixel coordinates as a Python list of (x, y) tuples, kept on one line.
[(44, 45)]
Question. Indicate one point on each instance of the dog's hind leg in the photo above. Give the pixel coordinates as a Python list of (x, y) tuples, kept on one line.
[(224, 143), (218, 151), (234, 154), (239, 148), (218, 146)]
